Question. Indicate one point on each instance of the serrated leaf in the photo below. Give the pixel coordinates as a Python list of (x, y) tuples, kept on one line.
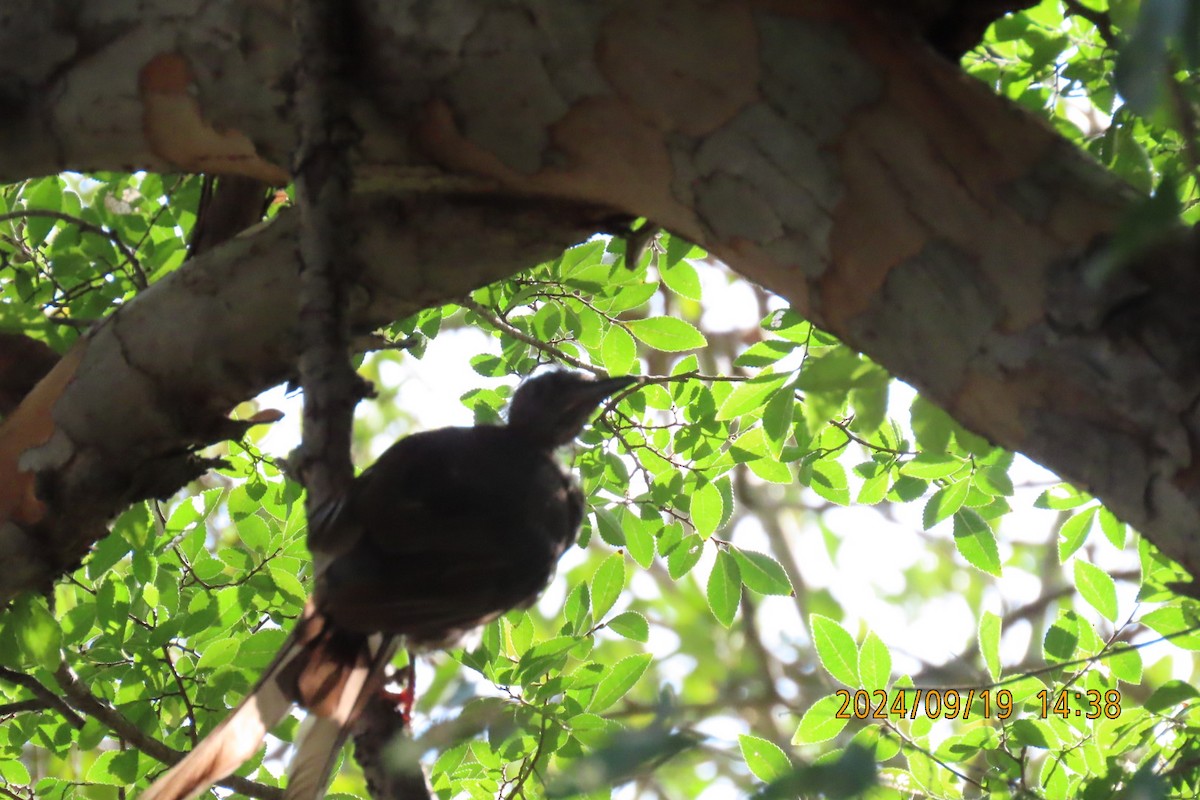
[(820, 723), (1097, 587), (13, 771), (764, 353), (617, 682), (777, 420), (607, 584), (874, 489), (638, 540), (609, 526), (829, 480), (874, 663), (765, 760), (38, 633), (254, 533), (631, 625), (288, 584), (724, 588), (681, 278), (114, 768), (931, 466), (1126, 665), (944, 502), (990, 628), (618, 350), (1114, 530), (708, 509), (668, 334), (836, 649), (684, 556), (218, 653), (761, 573), (750, 395), (1074, 532), (976, 542)]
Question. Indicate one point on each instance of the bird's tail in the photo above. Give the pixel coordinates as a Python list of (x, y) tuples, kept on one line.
[(313, 667), (327, 728)]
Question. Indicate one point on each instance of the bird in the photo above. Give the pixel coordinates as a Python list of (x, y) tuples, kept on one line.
[(447, 530)]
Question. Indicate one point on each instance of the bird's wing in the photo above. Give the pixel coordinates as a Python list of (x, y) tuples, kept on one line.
[(237, 737), (319, 745), (400, 475)]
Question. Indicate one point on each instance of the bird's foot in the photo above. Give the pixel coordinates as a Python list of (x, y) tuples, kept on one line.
[(403, 699)]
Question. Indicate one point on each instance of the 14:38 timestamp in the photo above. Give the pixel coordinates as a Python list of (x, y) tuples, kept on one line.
[(1106, 704)]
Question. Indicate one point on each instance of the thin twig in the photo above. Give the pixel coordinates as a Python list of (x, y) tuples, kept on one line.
[(532, 341), (139, 278)]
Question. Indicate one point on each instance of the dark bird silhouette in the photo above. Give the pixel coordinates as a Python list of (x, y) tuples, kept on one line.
[(448, 530)]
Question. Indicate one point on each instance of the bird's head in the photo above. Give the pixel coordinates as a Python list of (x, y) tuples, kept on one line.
[(552, 408)]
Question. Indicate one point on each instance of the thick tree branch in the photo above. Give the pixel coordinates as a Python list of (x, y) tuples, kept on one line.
[(826, 154), (122, 415), (44, 696), (81, 697)]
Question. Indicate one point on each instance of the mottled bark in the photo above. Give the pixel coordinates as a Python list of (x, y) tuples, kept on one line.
[(816, 148)]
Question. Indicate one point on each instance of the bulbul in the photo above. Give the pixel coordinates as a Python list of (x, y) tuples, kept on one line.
[(448, 530)]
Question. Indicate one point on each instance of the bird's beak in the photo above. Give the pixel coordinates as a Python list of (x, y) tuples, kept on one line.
[(590, 394)]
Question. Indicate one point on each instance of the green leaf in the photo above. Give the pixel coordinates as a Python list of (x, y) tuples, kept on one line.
[(609, 526), (751, 395), (820, 723), (874, 663), (669, 334), (607, 584), (708, 509), (618, 350), (13, 771), (218, 653), (106, 554), (1126, 665), (1097, 587), (829, 481), (764, 353), (684, 556), (836, 649), (38, 633), (945, 501), (631, 625), (1074, 532), (931, 466), (976, 542), (619, 679), (777, 420), (114, 768), (1114, 530), (765, 760), (1169, 695), (761, 573), (288, 584), (724, 588), (254, 533), (989, 642), (681, 278), (638, 540)]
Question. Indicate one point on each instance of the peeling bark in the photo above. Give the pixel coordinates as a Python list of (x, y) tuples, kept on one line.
[(123, 414), (816, 149)]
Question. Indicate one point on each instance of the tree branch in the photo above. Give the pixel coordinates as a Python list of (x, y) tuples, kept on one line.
[(43, 695)]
